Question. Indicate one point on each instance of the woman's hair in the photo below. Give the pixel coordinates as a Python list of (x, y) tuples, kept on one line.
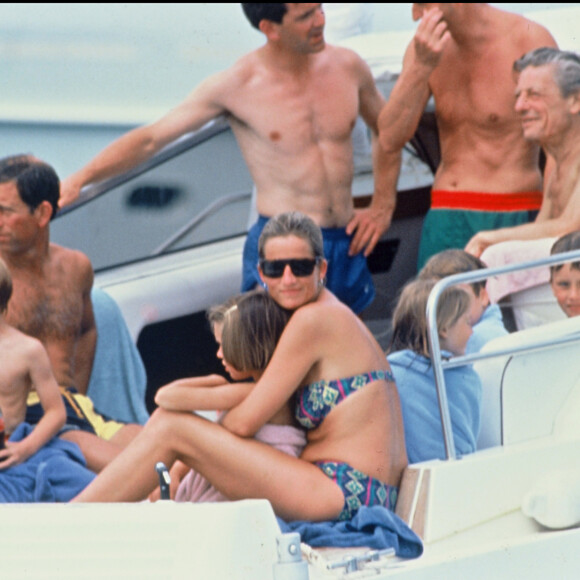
[(296, 224), (410, 315), (252, 325), (450, 262), (5, 286), (566, 243)]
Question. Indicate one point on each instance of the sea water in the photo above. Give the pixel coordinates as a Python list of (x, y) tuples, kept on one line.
[(66, 146)]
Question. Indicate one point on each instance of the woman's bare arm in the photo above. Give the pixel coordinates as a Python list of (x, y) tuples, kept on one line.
[(289, 366)]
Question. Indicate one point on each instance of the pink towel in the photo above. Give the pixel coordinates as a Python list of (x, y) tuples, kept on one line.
[(196, 488), (506, 253)]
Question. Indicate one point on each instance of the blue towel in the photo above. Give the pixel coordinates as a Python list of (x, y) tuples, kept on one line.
[(55, 473), (375, 527), (118, 380)]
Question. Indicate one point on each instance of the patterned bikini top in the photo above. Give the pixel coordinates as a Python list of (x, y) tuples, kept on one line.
[(316, 400)]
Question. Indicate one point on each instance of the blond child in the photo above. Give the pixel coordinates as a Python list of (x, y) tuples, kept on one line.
[(411, 362), (486, 318)]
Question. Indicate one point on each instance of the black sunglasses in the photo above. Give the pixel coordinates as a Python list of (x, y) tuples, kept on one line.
[(300, 267)]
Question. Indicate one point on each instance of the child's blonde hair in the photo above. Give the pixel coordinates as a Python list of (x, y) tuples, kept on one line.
[(410, 315), (450, 262)]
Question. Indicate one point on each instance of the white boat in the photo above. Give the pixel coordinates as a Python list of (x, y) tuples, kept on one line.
[(467, 511), (192, 216), (484, 515)]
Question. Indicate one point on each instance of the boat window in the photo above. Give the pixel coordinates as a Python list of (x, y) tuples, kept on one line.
[(153, 196)]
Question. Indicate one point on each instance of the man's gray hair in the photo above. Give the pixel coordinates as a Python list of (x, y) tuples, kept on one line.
[(566, 70)]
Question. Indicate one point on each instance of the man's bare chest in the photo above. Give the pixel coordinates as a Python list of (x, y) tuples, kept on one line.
[(475, 97), (290, 117), (45, 314)]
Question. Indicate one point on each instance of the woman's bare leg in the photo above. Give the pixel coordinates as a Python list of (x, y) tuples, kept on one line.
[(133, 469), (239, 468), (126, 434), (97, 452), (100, 452)]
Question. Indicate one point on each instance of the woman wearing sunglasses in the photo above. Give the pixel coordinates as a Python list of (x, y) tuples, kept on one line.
[(344, 393)]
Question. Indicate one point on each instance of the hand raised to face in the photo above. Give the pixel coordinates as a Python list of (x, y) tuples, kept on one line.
[(431, 37)]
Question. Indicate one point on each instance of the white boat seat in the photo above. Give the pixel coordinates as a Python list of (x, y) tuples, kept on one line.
[(140, 541), (523, 394)]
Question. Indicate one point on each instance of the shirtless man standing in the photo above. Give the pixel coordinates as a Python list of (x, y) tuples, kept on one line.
[(51, 301), (292, 105), (548, 105), (489, 176)]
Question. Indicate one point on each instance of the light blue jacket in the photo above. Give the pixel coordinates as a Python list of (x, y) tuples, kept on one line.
[(421, 417), (490, 326)]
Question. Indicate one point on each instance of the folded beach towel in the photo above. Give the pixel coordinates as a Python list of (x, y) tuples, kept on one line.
[(507, 253), (290, 440), (118, 379), (55, 473), (374, 527)]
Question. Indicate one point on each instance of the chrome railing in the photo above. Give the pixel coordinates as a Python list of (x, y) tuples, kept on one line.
[(439, 364), (200, 218)]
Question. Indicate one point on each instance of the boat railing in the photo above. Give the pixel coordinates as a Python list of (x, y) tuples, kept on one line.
[(198, 219), (439, 365)]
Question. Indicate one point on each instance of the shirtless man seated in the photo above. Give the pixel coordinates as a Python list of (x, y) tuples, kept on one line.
[(489, 175), (548, 106), (292, 105), (51, 301)]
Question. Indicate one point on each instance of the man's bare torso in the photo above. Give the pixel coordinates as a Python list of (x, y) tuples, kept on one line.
[(481, 139), (49, 306), (564, 183), (294, 132)]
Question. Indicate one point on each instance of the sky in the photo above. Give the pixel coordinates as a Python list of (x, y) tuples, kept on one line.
[(77, 76), (158, 18), (119, 62)]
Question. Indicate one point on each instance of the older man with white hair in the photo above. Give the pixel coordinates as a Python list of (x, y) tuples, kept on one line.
[(548, 104)]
